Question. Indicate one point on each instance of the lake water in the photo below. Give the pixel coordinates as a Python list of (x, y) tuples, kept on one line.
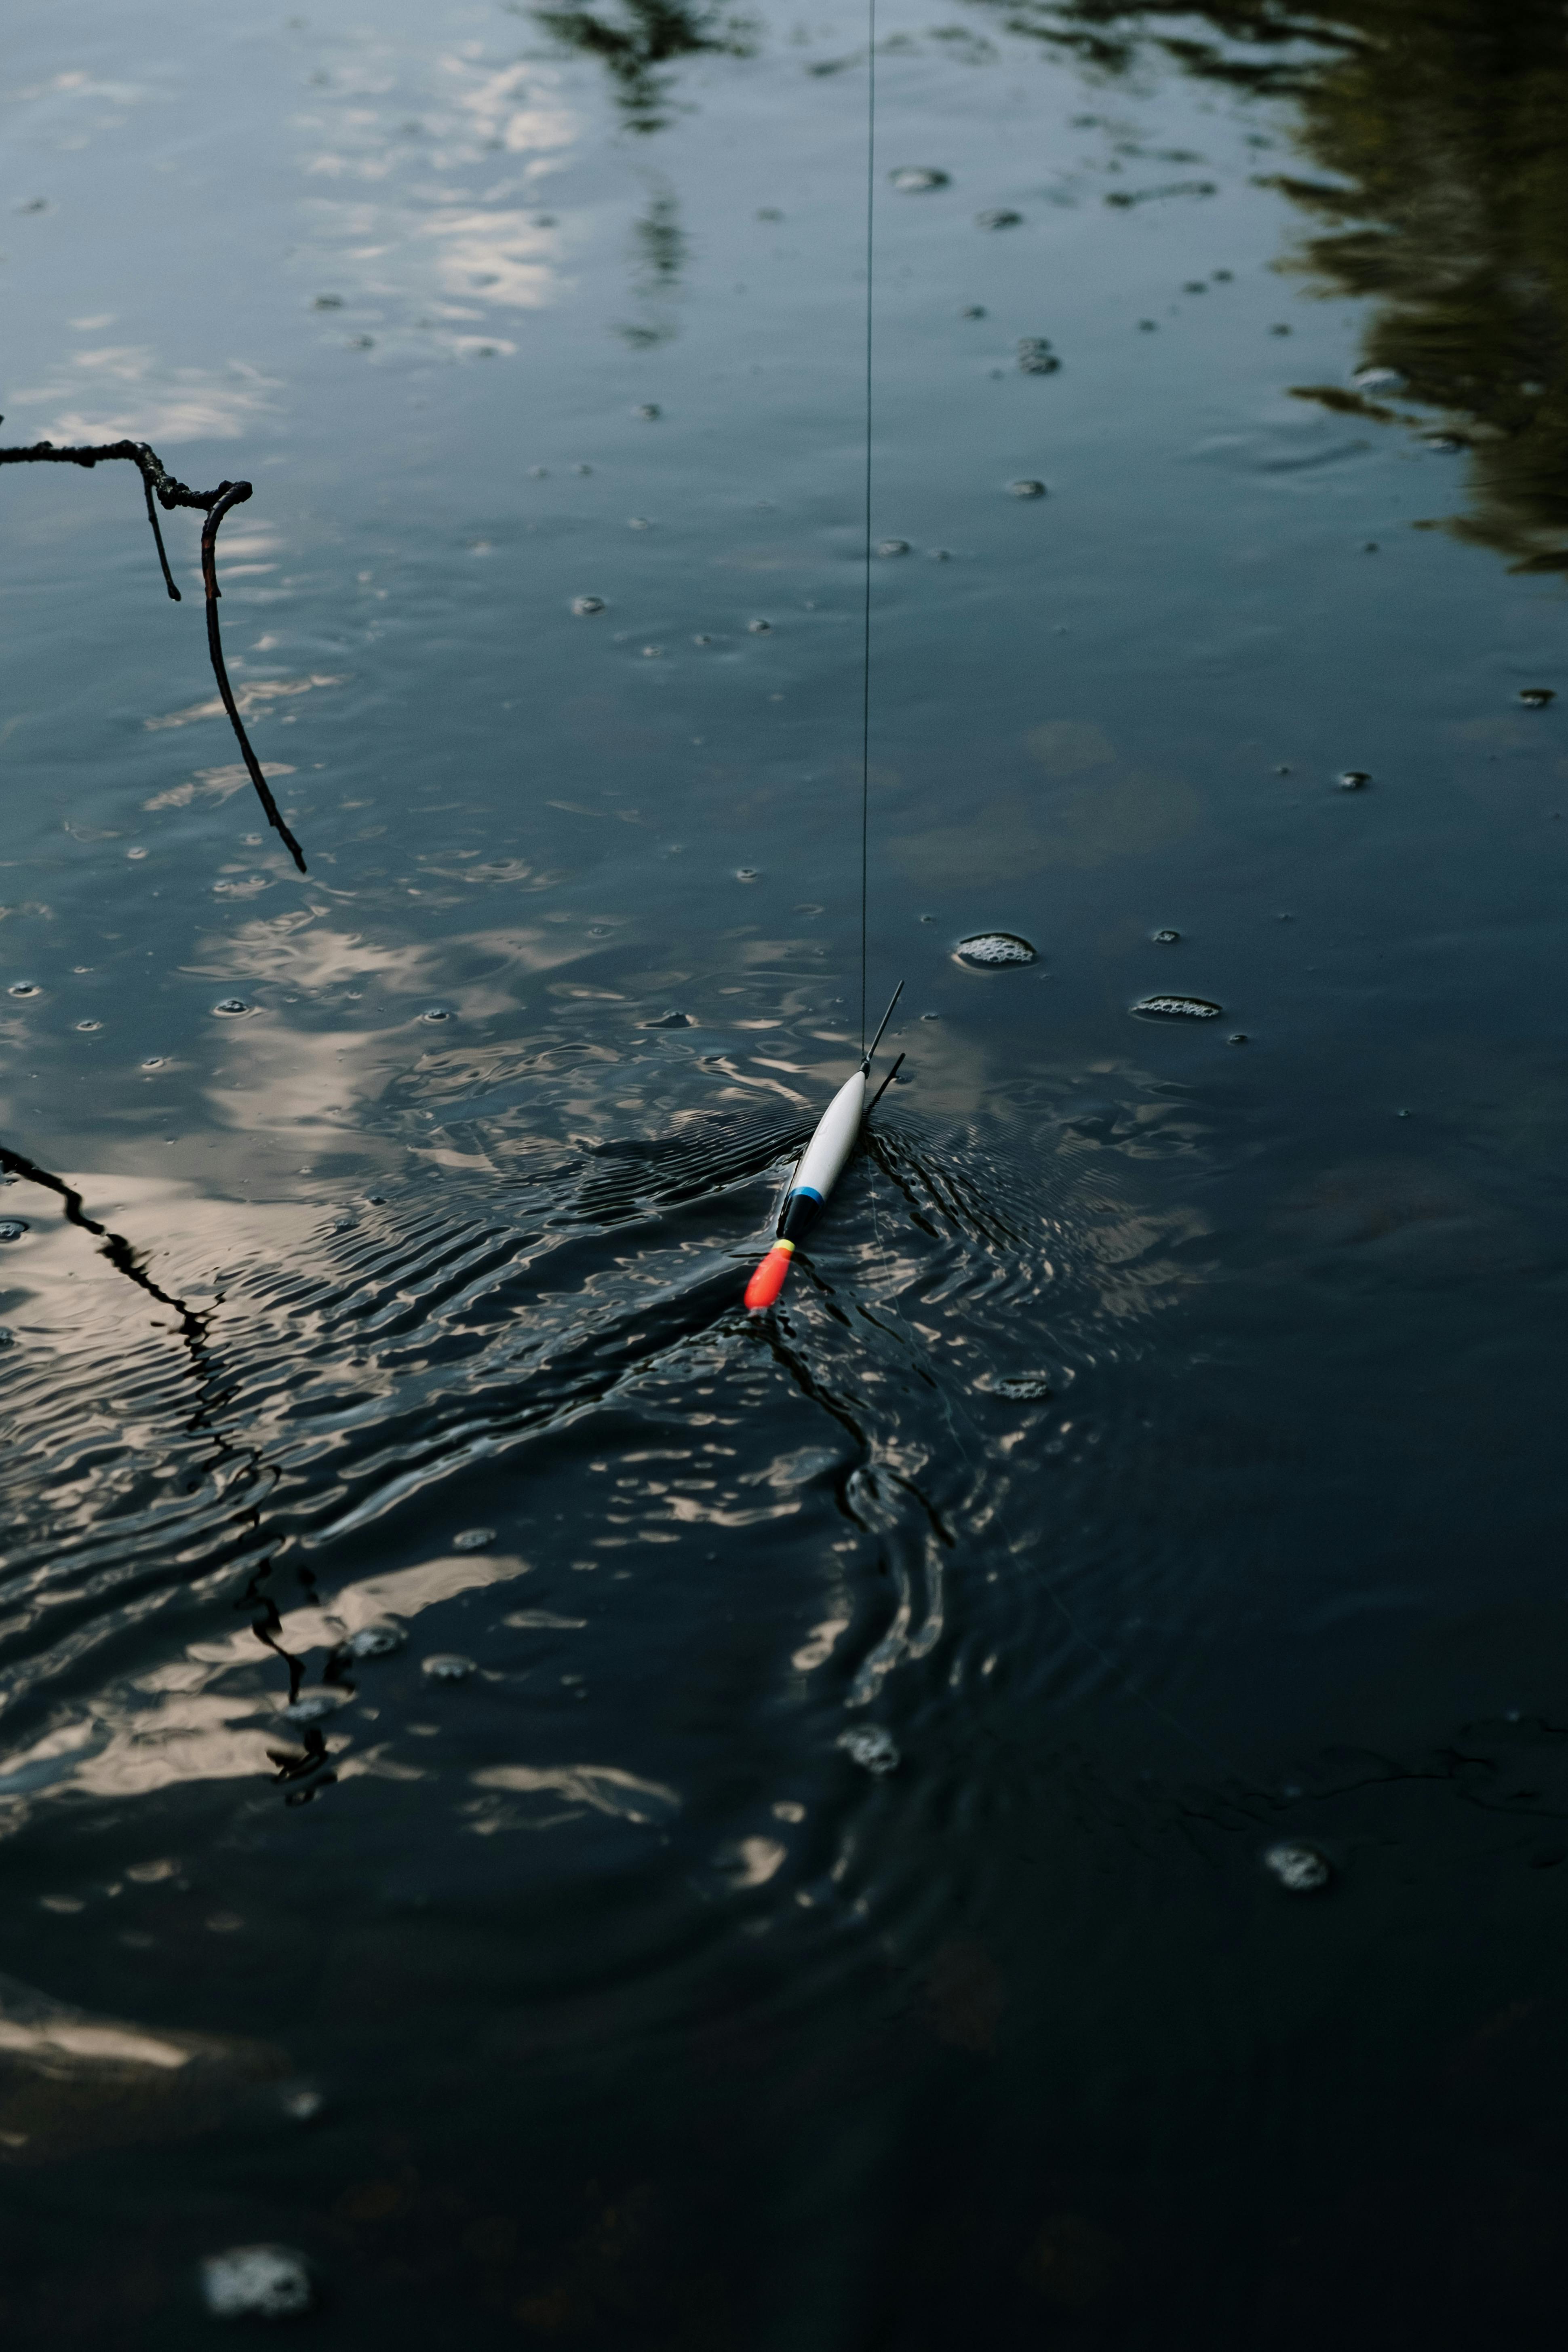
[(825, 1905)]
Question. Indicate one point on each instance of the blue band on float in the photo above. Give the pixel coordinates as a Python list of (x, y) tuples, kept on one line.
[(805, 1192)]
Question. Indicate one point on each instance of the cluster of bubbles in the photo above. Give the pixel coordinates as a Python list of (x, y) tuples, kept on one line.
[(993, 950), (1177, 1008)]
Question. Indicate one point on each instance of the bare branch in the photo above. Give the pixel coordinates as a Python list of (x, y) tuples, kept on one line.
[(158, 483)]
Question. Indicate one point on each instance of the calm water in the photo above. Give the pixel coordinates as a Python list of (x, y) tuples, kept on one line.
[(1160, 1446)]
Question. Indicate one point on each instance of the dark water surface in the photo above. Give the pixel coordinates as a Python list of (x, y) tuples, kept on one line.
[(1160, 1446)]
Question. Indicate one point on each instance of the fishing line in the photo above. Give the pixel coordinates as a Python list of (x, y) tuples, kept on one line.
[(865, 660)]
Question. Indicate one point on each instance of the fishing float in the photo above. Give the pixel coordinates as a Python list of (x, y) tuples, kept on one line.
[(818, 1169), (838, 1130)]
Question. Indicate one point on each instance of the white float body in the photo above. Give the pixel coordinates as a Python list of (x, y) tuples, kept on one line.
[(822, 1161)]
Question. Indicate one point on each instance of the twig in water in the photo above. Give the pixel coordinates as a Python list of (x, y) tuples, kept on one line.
[(160, 484)]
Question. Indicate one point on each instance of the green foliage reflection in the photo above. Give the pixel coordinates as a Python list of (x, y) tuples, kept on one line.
[(645, 37), (1440, 125)]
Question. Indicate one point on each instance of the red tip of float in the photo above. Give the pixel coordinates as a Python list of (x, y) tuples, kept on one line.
[(769, 1278)]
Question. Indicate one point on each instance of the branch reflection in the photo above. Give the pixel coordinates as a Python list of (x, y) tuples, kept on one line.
[(245, 1464)]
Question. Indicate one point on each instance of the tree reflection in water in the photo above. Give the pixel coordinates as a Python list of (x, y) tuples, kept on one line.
[(640, 38), (1440, 122)]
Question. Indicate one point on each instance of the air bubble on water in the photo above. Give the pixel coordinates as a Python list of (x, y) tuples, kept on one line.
[(1224, 277), (938, 555), (1237, 1037), (23, 988), (380, 1639), (328, 303), (759, 628), (584, 606), (473, 1538), (87, 1027), (1027, 490), (446, 1667), (1177, 1008), (1035, 356), (702, 640), (1001, 218), (435, 1012), (892, 547), (301, 2102), (915, 179), (1164, 939), (539, 473), (1535, 697), (648, 410), (1445, 444), (653, 652), (231, 1006), (1351, 780), (582, 469), (1148, 326), (1195, 286), (1299, 1869), (672, 1021), (8, 1337), (770, 213), (1278, 331), (257, 2283), (12, 1228), (1023, 1387), (991, 951), (972, 310), (930, 1016), (154, 1061), (639, 522), (873, 1749), (1378, 379), (746, 873)]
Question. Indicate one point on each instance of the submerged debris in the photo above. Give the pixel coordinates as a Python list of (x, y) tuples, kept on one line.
[(257, 2283), (873, 1749), (446, 1667), (916, 179), (380, 1639), (1300, 1869)]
